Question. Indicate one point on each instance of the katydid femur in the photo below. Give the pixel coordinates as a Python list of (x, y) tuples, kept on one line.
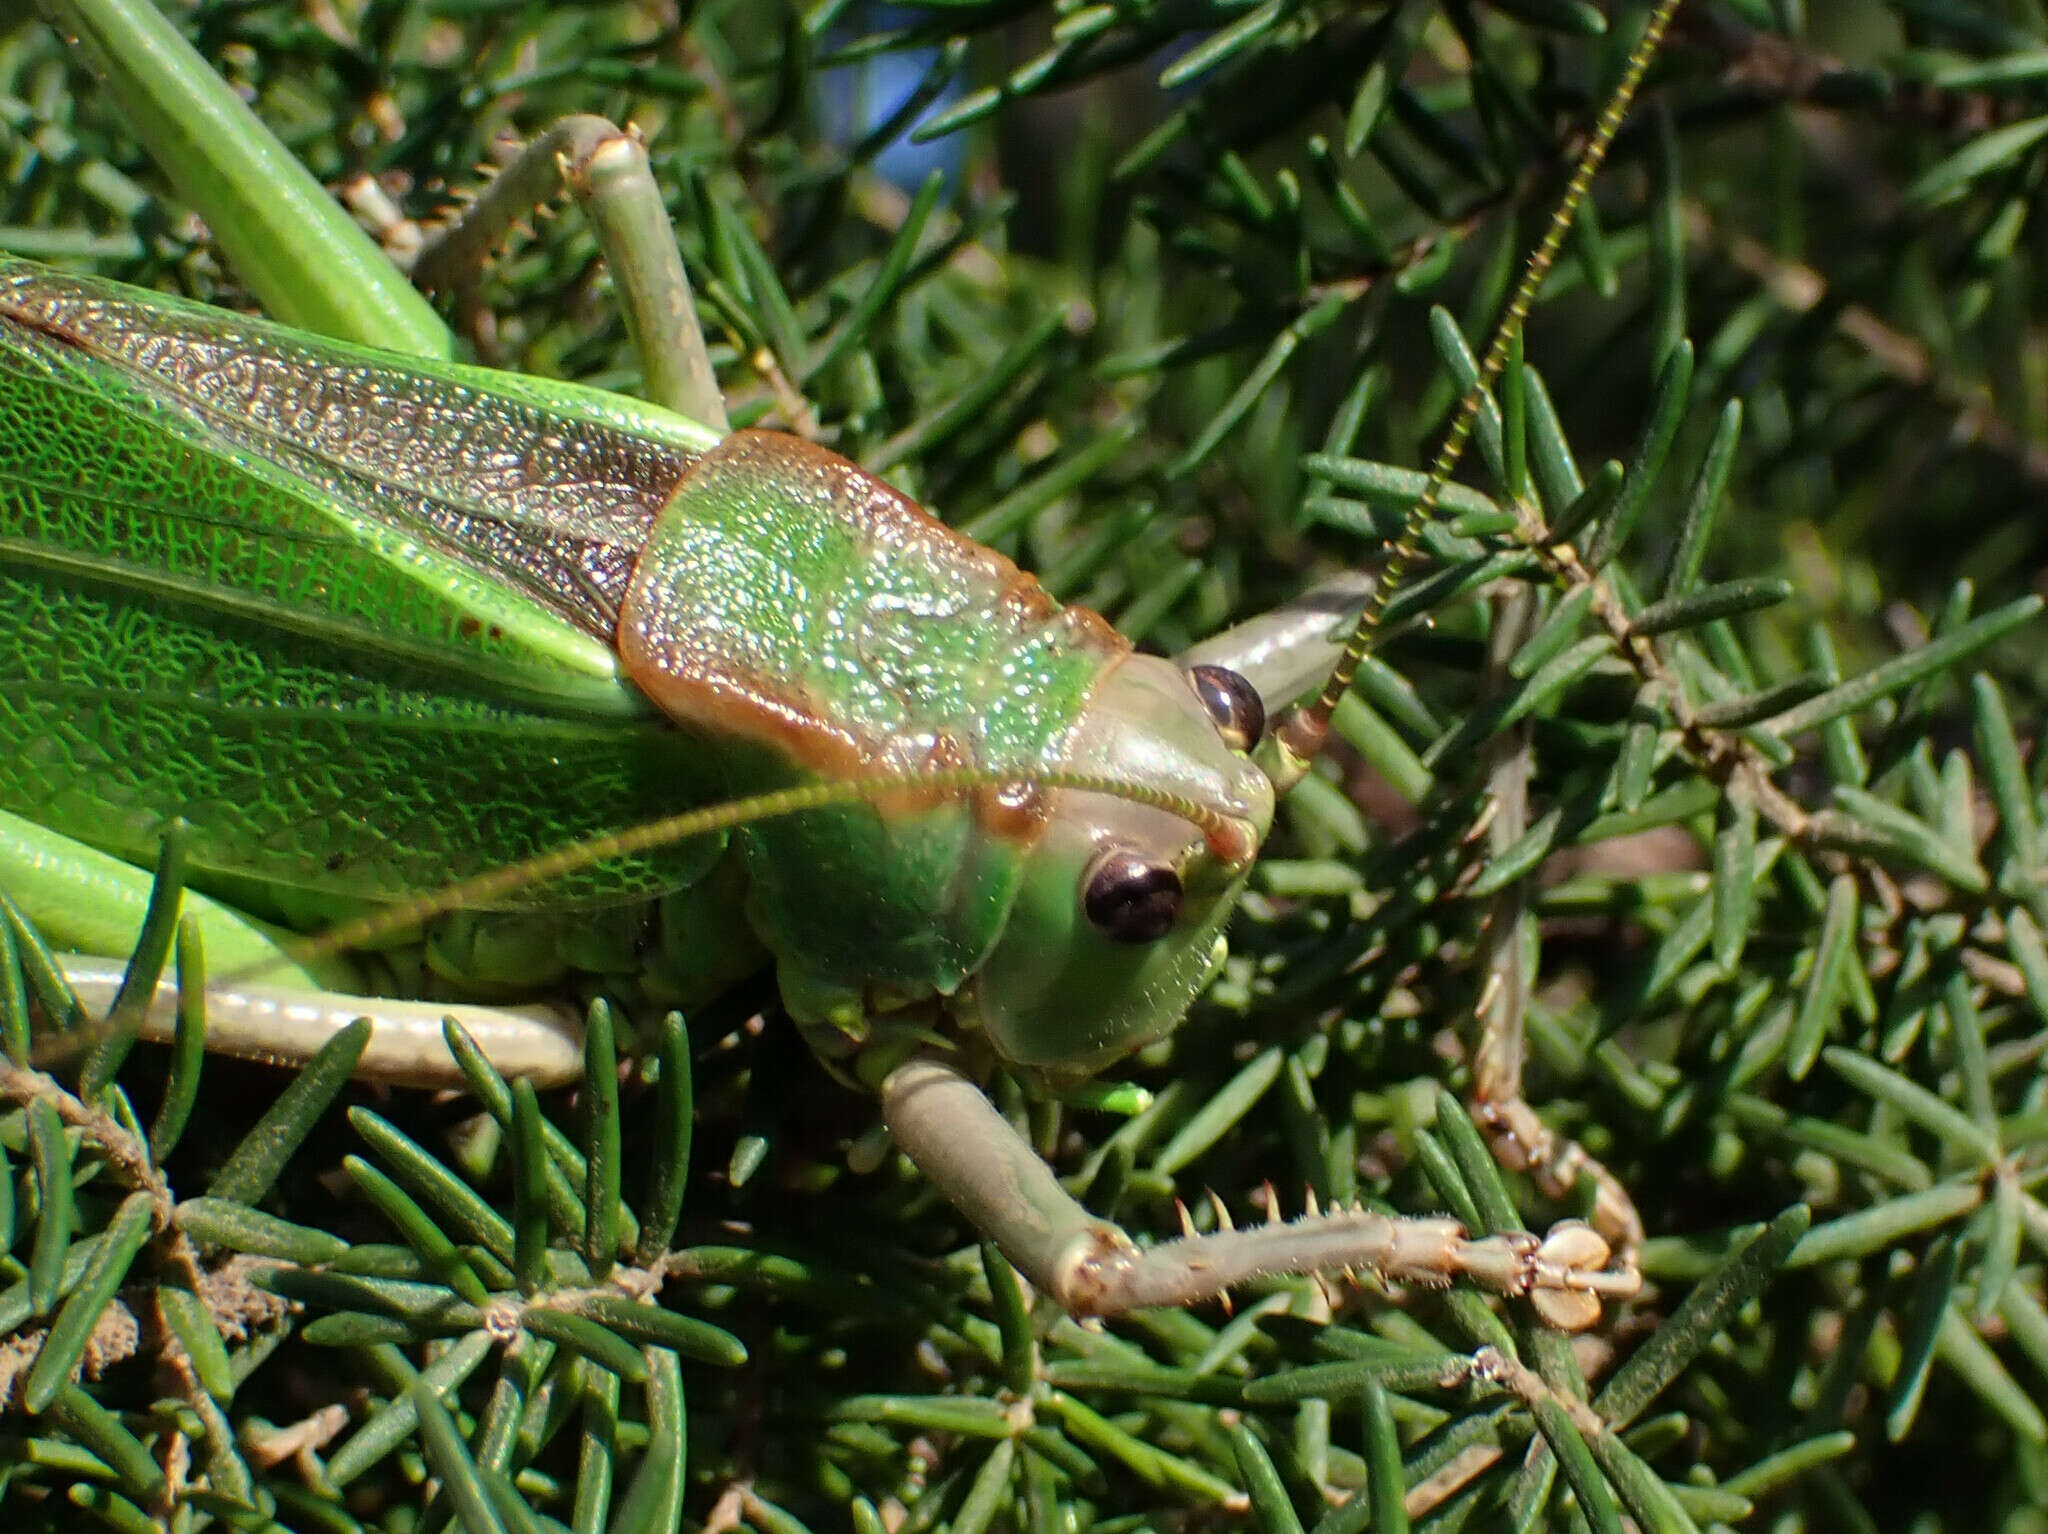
[(991, 833)]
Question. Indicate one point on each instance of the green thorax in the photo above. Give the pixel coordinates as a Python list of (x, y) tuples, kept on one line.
[(807, 621)]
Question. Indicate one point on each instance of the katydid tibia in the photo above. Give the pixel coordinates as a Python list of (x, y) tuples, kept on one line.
[(376, 623)]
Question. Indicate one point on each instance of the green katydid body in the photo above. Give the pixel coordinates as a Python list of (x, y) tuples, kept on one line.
[(371, 624)]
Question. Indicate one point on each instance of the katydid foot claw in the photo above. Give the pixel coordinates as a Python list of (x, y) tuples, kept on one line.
[(1572, 1276), (1522, 1142)]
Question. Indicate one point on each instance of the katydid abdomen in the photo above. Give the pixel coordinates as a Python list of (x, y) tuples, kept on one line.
[(371, 625)]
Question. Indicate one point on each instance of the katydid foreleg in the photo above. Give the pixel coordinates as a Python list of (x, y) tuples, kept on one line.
[(1519, 1139), (948, 1127), (1285, 654)]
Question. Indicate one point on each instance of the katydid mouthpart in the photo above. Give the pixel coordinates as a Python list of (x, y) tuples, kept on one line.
[(374, 624)]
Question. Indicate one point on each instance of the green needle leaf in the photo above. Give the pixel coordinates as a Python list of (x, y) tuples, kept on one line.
[(52, 1156), (987, 1494), (1883, 1224), (1713, 1303), (238, 1228), (1655, 1506), (588, 1338), (188, 1319), (257, 1161), (2001, 1248), (1950, 1126), (1734, 876), (697, 1340), (597, 1444), (420, 1232), (566, 1166), (1262, 1485), (2005, 772), (1576, 1460), (1586, 508), (1709, 485), (1973, 1361), (2030, 956), (1901, 672), (1660, 429), (1519, 858), (1557, 631), (653, 1502), (1982, 155), (1257, 382), (1932, 1292), (601, 1180), (1476, 1165), (14, 1014), (99, 1430), (1222, 1112), (459, 1204), (1711, 602), (1820, 1001), (461, 1482), (675, 1118), (145, 964), (65, 1343), (1013, 1319), (387, 1429), (1867, 825), (888, 280), (1386, 1486), (530, 1166), (188, 1045), (1748, 709)]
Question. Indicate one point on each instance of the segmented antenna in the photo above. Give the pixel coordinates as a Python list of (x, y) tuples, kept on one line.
[(496, 883), (1305, 729)]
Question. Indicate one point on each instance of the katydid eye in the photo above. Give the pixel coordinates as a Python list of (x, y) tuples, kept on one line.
[(1233, 705), (1130, 899)]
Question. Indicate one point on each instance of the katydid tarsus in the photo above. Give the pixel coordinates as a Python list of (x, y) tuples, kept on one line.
[(1002, 836)]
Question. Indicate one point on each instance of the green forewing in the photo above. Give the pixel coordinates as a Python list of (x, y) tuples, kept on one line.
[(341, 611)]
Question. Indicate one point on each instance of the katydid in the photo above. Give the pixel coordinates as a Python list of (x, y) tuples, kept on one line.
[(375, 623)]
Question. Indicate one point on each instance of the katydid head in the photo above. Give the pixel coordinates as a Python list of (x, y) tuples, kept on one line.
[(1117, 922)]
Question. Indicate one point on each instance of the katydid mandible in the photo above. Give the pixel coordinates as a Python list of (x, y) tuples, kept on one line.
[(979, 827)]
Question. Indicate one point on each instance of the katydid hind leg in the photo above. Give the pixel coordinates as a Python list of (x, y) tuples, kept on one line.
[(972, 1154), (606, 170)]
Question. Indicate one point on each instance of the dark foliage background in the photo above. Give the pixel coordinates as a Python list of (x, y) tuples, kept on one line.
[(1142, 292)]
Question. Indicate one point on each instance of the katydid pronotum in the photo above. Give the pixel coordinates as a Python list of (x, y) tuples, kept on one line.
[(978, 828)]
